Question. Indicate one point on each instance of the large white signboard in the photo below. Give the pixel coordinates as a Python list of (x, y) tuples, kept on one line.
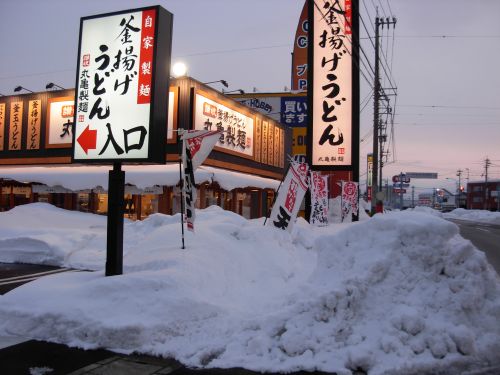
[(236, 127), (332, 84), (116, 86)]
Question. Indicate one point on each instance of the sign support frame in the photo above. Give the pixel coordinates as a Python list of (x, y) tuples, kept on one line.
[(115, 224)]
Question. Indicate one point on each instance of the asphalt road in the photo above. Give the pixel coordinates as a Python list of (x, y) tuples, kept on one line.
[(486, 237)]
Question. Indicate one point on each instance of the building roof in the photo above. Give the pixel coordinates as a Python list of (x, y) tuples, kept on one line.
[(77, 178)]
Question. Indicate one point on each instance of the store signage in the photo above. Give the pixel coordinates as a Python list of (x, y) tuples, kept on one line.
[(332, 85), (369, 176), (290, 196), (294, 111), (299, 56), (16, 125), (237, 127), (349, 198), (401, 178), (59, 123), (318, 186), (289, 110), (34, 121), (122, 86)]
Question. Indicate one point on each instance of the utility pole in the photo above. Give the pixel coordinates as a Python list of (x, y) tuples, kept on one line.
[(459, 188), (487, 163), (377, 92), (376, 98)]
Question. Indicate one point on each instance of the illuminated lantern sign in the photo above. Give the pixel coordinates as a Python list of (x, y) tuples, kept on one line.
[(122, 86), (333, 97)]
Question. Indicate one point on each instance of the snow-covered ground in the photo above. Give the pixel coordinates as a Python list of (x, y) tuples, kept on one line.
[(399, 293), (482, 216)]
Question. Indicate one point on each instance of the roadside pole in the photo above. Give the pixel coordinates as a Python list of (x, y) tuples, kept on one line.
[(114, 244), (401, 190)]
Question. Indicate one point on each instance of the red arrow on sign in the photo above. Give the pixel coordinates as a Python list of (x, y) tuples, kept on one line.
[(88, 139)]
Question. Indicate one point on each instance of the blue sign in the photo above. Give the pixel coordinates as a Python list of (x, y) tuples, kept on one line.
[(294, 111)]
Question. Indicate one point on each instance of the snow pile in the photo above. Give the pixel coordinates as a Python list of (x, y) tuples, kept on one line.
[(398, 293), (40, 233), (474, 215), (427, 210)]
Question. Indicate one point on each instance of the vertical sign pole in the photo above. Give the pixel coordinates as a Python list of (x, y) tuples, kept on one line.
[(180, 150), (114, 248), (310, 98), (181, 185)]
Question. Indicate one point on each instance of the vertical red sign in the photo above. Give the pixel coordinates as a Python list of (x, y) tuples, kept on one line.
[(144, 89), (348, 17)]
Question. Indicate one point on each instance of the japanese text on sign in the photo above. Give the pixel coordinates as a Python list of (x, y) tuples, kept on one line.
[(115, 86), (236, 128), (16, 125), (34, 120), (332, 84)]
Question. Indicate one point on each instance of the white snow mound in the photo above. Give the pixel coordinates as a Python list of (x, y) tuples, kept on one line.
[(400, 293)]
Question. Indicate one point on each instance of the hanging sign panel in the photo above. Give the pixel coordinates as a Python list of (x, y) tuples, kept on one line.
[(235, 124), (122, 86), (332, 85)]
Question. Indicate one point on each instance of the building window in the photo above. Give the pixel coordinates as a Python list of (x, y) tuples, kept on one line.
[(477, 199), (477, 188)]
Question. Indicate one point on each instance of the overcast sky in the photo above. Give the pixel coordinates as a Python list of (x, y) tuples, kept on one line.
[(445, 59)]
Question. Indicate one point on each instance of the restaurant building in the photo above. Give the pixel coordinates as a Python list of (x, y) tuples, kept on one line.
[(241, 174)]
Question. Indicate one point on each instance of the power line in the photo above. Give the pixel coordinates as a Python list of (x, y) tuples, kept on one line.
[(448, 106), (447, 36)]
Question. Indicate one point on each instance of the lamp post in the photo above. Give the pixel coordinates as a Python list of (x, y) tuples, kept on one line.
[(179, 69), (233, 91), (224, 82), (50, 85), (19, 88)]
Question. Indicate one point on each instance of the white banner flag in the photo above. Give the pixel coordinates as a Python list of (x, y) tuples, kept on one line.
[(196, 145), (318, 185), (290, 197), (349, 198)]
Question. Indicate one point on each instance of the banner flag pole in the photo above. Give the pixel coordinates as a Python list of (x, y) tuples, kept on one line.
[(181, 185), (277, 191)]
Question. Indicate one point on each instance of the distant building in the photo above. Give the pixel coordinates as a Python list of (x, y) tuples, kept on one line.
[(440, 199), (482, 196)]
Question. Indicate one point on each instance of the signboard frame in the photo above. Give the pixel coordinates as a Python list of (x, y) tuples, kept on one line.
[(160, 77), (234, 106), (48, 124), (353, 165)]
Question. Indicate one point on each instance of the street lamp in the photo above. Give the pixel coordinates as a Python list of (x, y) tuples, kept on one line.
[(179, 69), (19, 88), (232, 91), (224, 82), (52, 84)]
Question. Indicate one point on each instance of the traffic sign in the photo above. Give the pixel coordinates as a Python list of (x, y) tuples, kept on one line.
[(400, 185), (404, 177), (399, 191), (431, 176)]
